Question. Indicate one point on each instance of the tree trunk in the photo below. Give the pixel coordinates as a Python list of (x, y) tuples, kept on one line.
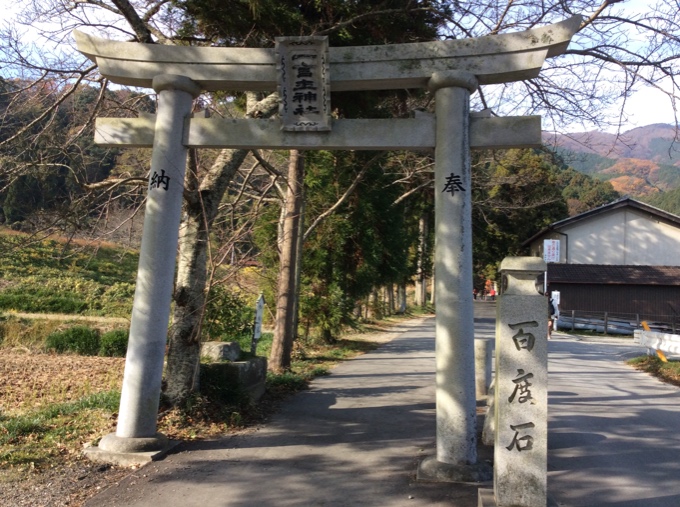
[(401, 296), (421, 281), (373, 308), (184, 340), (298, 260), (284, 332), (390, 299)]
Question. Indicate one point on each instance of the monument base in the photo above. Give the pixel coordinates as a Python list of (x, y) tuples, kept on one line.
[(122, 451), (431, 470), (486, 498)]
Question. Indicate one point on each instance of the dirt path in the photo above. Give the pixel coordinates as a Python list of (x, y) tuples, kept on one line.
[(66, 317)]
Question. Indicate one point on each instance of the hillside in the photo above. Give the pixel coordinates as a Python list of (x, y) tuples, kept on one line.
[(653, 142), (642, 162)]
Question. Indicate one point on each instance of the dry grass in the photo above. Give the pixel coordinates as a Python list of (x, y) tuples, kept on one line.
[(667, 372), (33, 381)]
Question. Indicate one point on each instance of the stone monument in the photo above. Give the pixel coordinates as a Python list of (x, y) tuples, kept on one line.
[(521, 389), (451, 70)]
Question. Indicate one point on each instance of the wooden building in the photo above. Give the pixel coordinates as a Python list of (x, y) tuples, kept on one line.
[(632, 293), (622, 259)]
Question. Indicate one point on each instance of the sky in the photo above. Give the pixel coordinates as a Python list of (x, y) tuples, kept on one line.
[(645, 107), (648, 105)]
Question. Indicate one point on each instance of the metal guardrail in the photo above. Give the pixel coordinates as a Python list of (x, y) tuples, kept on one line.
[(662, 343), (615, 323)]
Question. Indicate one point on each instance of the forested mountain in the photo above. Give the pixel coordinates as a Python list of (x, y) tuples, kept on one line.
[(652, 142), (49, 163), (643, 162)]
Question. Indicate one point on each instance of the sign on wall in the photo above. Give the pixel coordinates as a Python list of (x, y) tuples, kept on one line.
[(304, 83), (551, 250)]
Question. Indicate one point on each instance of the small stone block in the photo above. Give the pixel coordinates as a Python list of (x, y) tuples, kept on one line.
[(221, 351), (248, 376), (252, 375)]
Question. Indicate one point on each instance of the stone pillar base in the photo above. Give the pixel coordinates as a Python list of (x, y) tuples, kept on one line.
[(486, 498), (431, 470), (122, 451)]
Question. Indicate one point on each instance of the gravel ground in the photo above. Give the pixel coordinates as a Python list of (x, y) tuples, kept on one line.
[(69, 485)]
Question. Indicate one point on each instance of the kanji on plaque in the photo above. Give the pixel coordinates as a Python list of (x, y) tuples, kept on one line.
[(523, 339), (304, 86), (521, 441), (522, 392)]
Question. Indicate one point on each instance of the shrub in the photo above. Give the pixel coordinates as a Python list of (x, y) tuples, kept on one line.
[(42, 302), (228, 315), (114, 343), (81, 340)]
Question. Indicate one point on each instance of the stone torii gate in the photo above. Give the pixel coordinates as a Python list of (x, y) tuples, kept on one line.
[(452, 70)]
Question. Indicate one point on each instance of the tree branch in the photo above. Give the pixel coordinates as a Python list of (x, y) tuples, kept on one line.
[(142, 32)]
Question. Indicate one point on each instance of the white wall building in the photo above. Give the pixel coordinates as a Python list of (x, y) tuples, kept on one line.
[(625, 232)]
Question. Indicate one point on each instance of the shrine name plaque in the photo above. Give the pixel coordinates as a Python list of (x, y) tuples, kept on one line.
[(302, 68)]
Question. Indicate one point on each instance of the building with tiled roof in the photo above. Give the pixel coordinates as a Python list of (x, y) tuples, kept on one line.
[(622, 258)]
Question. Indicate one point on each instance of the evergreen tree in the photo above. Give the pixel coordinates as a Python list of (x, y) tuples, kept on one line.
[(515, 194)]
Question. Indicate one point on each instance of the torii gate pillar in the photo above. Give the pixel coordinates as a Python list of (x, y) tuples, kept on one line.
[(136, 434), (456, 458)]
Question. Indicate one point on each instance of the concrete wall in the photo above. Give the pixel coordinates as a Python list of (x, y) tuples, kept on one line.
[(623, 236)]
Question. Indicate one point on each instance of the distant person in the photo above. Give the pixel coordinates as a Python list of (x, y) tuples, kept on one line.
[(492, 294), (474, 293), (554, 315)]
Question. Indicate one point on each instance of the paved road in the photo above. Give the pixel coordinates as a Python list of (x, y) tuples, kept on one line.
[(613, 432), (355, 437)]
